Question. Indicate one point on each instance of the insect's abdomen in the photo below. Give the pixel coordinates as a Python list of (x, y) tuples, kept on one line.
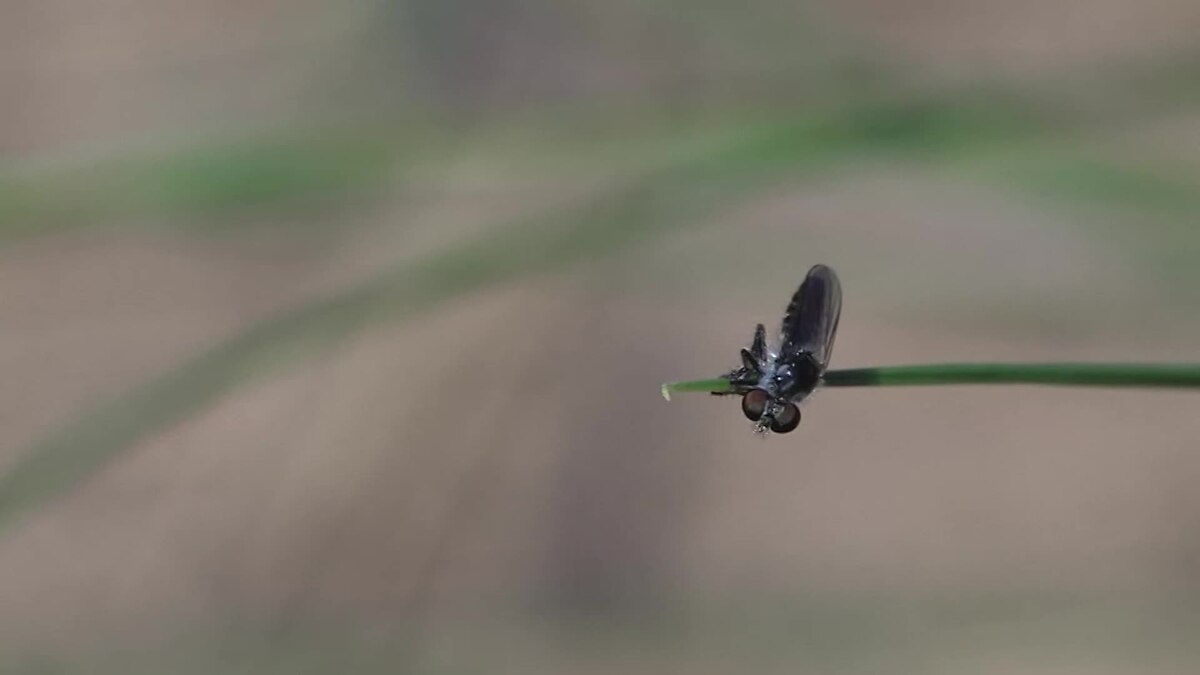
[(811, 321)]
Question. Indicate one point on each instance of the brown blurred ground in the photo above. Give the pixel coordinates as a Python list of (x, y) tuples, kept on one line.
[(508, 447)]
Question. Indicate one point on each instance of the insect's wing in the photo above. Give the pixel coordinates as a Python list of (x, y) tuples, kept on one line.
[(811, 322)]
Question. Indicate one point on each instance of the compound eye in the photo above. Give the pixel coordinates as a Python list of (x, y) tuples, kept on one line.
[(787, 420), (754, 404)]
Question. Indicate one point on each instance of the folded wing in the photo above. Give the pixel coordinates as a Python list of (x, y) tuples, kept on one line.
[(811, 322)]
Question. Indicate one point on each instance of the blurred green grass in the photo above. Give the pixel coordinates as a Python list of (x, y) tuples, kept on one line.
[(998, 127), (994, 137), (641, 207), (289, 171)]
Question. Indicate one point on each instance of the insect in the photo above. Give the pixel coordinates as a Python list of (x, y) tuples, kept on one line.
[(772, 383)]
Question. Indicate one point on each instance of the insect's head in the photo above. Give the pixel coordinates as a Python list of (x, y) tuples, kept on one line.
[(770, 412), (766, 387)]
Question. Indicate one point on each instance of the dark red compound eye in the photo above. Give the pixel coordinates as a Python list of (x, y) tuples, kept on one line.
[(787, 420), (754, 404)]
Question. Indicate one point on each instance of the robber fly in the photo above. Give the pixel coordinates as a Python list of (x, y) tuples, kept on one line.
[(773, 383)]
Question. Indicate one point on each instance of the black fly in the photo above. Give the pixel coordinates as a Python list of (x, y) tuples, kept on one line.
[(773, 383)]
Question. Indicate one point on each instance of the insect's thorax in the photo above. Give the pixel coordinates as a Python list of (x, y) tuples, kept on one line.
[(791, 377)]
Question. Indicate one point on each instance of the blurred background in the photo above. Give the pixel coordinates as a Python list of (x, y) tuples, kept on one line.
[(331, 335)]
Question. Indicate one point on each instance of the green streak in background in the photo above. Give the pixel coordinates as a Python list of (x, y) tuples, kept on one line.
[(1148, 375), (1083, 179), (882, 116), (670, 198), (206, 179), (282, 171), (1149, 214), (241, 176), (276, 172), (990, 127)]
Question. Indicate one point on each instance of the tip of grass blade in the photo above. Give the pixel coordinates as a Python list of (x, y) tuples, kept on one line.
[(715, 385)]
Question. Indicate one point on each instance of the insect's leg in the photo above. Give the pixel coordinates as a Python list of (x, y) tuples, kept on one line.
[(751, 365), (758, 348)]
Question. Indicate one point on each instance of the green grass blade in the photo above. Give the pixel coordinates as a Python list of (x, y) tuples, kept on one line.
[(716, 386), (1063, 374), (1149, 375)]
